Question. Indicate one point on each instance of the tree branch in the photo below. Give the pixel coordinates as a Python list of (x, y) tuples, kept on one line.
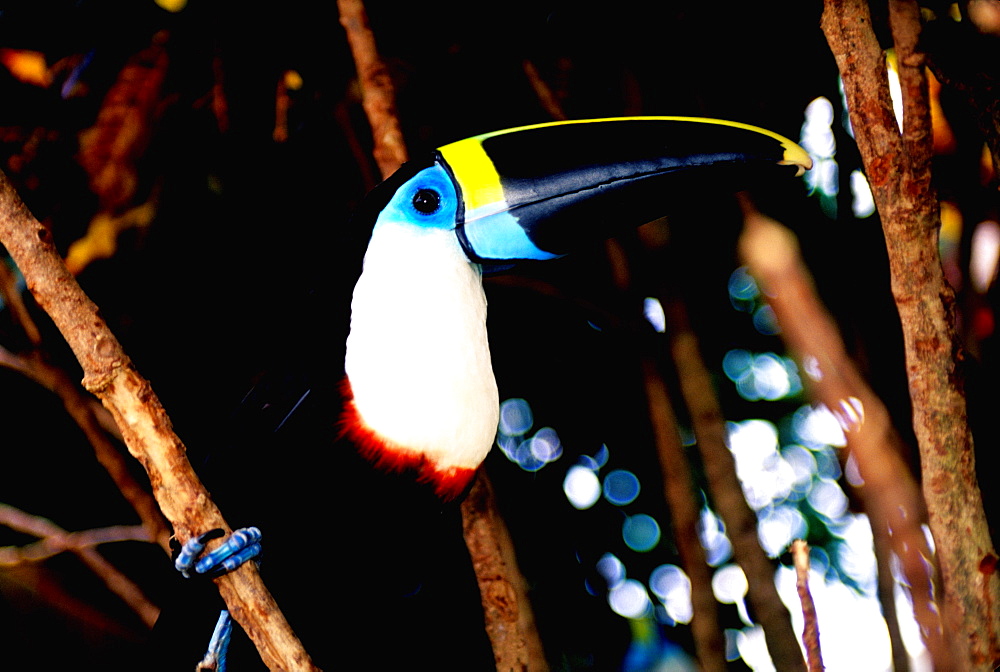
[(55, 540), (378, 95), (810, 635), (684, 515), (897, 167), (891, 498), (724, 487), (145, 427)]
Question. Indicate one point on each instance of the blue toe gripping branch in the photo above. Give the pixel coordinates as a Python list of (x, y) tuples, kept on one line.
[(242, 545)]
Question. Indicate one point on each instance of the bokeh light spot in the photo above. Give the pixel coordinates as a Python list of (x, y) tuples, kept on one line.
[(621, 487), (673, 587), (581, 486), (729, 584), (515, 417), (743, 290), (653, 311), (713, 538), (985, 255), (630, 599), (777, 527), (765, 321), (827, 499), (641, 532), (612, 569), (817, 426), (545, 445), (862, 203)]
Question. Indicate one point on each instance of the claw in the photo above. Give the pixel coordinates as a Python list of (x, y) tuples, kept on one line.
[(192, 549), (242, 545)]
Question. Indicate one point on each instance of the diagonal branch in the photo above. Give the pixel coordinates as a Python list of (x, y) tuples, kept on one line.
[(890, 496), (145, 427)]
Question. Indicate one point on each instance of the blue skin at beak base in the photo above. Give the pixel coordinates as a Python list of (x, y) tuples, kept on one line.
[(500, 237), (492, 237)]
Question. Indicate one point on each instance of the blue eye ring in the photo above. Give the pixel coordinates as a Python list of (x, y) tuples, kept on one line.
[(427, 201)]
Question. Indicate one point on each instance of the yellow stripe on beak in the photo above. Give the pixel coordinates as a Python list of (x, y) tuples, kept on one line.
[(475, 173)]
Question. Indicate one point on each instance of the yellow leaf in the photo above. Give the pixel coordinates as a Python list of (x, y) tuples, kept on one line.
[(27, 66)]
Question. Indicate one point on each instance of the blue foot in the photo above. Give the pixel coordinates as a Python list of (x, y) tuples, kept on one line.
[(215, 657), (242, 545)]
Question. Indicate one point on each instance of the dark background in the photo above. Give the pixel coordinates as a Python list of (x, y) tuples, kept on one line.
[(245, 276)]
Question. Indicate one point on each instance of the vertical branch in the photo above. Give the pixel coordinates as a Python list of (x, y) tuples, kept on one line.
[(484, 535), (684, 516), (377, 92), (727, 494), (145, 427), (510, 630), (897, 167), (810, 635)]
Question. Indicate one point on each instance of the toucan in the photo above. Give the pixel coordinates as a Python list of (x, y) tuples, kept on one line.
[(419, 378), (419, 398)]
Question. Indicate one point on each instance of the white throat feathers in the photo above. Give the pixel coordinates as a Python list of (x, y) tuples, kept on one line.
[(418, 357)]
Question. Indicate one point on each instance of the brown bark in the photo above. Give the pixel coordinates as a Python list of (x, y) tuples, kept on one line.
[(509, 622), (810, 634), (486, 536), (145, 427), (684, 517), (709, 426), (890, 495), (378, 95), (898, 170)]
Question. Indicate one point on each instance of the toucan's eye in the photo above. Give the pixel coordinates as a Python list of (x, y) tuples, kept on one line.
[(427, 201)]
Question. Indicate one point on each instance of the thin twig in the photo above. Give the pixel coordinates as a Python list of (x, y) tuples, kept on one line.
[(810, 635), (678, 490), (15, 304), (85, 414), (57, 539), (543, 91)]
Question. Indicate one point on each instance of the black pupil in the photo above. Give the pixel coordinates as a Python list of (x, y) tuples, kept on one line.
[(427, 201)]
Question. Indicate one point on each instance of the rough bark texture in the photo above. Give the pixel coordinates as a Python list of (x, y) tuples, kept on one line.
[(483, 528), (709, 426), (898, 170), (509, 620), (889, 494), (145, 427), (377, 92), (684, 517)]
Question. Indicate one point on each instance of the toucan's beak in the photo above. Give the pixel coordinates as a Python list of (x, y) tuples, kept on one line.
[(536, 192)]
